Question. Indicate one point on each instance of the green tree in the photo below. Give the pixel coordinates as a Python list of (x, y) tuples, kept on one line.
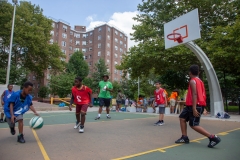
[(116, 87), (62, 84), (88, 82), (100, 69), (78, 65), (31, 49), (43, 92)]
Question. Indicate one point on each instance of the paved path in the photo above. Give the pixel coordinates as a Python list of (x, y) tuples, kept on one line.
[(124, 135)]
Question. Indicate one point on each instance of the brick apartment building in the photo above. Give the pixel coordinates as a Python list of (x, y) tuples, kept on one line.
[(103, 41)]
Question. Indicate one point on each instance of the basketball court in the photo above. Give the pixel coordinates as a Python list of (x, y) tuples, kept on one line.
[(125, 136)]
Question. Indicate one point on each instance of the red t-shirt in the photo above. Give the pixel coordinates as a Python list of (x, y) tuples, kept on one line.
[(159, 96), (201, 95), (81, 96)]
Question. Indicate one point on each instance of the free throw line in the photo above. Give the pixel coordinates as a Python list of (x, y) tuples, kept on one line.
[(44, 153)]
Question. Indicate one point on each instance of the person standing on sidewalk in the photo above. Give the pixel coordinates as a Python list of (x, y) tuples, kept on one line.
[(6, 95), (195, 105), (105, 89)]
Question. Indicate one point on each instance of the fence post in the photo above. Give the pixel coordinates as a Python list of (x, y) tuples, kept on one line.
[(51, 100)]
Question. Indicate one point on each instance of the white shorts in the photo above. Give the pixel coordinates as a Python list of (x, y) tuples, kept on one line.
[(172, 102)]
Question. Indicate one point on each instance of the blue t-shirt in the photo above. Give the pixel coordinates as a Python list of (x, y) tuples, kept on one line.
[(21, 104), (7, 94)]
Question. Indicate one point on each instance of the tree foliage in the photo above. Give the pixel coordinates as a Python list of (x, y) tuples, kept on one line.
[(150, 54), (61, 84), (31, 49), (43, 92), (78, 65)]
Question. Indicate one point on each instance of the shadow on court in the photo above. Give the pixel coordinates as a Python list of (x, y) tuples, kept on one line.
[(124, 135)]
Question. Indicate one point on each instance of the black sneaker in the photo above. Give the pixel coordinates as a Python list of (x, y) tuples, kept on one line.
[(157, 123), (213, 141), (12, 130), (97, 118), (21, 139), (183, 139), (108, 117), (5, 120), (1, 121)]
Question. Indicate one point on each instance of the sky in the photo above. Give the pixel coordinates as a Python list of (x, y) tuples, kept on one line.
[(93, 12)]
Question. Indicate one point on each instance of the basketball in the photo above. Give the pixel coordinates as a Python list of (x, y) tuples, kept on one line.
[(36, 122)]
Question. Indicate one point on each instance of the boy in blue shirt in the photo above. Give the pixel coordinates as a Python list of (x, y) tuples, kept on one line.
[(6, 94), (19, 103)]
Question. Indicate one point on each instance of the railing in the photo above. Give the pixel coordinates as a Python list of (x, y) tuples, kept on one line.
[(60, 99)]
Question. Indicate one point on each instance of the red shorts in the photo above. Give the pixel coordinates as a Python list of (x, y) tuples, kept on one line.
[(81, 108)]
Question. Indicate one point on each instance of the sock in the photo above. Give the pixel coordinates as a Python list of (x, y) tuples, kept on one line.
[(107, 115), (184, 136), (99, 115), (19, 134), (211, 136), (82, 126)]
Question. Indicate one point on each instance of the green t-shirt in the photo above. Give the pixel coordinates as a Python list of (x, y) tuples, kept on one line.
[(103, 93)]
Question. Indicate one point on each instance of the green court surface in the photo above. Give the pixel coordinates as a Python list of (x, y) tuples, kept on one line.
[(69, 117), (228, 149)]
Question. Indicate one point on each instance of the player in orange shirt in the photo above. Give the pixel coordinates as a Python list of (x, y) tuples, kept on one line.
[(173, 99)]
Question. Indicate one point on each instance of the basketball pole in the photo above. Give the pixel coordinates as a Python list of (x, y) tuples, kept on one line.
[(216, 101)]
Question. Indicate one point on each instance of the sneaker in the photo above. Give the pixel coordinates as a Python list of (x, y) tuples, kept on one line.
[(5, 120), (157, 123), (213, 141), (161, 123), (12, 130), (76, 125), (182, 140), (108, 117), (81, 129), (1, 121), (21, 139), (97, 118)]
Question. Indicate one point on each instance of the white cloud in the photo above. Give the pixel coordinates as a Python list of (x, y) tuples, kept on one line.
[(122, 21)]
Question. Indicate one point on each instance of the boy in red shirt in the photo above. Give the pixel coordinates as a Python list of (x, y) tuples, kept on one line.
[(161, 102), (195, 103), (81, 96)]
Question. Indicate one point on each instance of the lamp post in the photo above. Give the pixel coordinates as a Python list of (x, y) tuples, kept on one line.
[(11, 41)]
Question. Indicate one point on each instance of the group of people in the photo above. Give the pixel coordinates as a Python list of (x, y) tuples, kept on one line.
[(17, 103)]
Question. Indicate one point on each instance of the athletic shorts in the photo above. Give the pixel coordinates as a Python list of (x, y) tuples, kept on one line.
[(81, 108), (19, 117), (161, 109), (104, 102), (187, 114), (119, 102), (172, 102)]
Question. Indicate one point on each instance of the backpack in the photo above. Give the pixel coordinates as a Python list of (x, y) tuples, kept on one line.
[(223, 115)]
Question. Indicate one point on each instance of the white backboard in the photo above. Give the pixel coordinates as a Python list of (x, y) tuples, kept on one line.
[(187, 25)]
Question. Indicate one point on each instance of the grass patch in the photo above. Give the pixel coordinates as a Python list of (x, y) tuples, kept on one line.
[(232, 108)]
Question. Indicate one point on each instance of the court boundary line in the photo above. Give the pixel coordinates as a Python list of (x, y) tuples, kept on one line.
[(40, 145), (171, 146)]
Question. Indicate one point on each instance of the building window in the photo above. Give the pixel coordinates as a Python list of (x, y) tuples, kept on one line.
[(90, 48), (64, 35), (125, 38), (52, 33), (116, 32), (51, 41), (70, 40), (99, 29), (48, 76), (53, 24), (115, 62), (90, 56), (84, 50), (84, 35), (99, 53), (99, 45), (121, 35), (71, 33), (116, 40), (107, 60), (125, 46), (70, 48), (84, 57), (115, 71), (63, 43), (121, 42), (99, 37), (121, 57), (90, 33), (77, 35), (65, 27), (108, 53), (90, 63), (108, 37), (84, 43), (109, 29), (64, 51), (121, 50), (116, 48), (90, 41), (76, 49), (116, 56), (107, 70), (77, 43), (34, 78), (70, 55), (108, 45)]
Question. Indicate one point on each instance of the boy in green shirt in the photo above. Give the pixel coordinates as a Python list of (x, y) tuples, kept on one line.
[(105, 87)]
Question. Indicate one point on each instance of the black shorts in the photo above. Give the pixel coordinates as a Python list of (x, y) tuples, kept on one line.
[(119, 102), (104, 102), (187, 114)]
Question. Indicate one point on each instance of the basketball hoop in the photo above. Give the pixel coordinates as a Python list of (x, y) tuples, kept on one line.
[(176, 37)]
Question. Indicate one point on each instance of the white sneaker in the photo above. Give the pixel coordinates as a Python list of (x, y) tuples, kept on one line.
[(81, 130), (76, 126)]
